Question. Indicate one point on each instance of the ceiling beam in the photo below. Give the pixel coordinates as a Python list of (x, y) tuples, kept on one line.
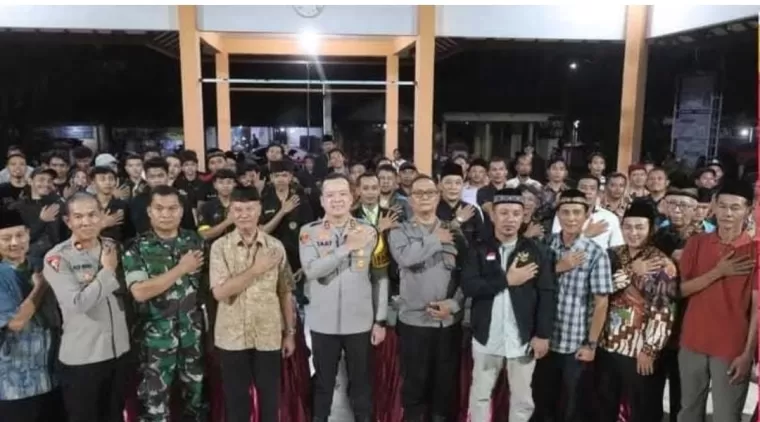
[(214, 40), (282, 46), (401, 44)]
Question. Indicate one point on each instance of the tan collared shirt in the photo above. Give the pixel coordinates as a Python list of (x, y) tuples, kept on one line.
[(252, 319)]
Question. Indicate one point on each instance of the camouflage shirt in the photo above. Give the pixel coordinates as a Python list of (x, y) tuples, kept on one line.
[(149, 256)]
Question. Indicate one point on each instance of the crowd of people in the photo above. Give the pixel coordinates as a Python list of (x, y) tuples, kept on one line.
[(143, 289)]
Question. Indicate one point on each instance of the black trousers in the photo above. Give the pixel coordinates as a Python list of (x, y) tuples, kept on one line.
[(667, 370), (429, 370), (238, 369), (43, 408), (617, 377), (326, 352), (560, 376), (95, 392)]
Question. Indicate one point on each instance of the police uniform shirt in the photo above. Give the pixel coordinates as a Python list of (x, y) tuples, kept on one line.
[(347, 289), (288, 230), (211, 214), (91, 301)]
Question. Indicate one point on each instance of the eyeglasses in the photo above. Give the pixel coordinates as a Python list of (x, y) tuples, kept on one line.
[(422, 194)]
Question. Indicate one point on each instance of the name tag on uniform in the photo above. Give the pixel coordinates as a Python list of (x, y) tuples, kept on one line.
[(324, 243), (491, 256), (270, 211)]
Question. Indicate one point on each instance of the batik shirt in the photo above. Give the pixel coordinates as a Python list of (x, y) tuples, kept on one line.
[(25, 356), (641, 312)]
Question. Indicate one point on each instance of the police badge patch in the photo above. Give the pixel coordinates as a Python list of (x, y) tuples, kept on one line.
[(293, 225), (54, 262)]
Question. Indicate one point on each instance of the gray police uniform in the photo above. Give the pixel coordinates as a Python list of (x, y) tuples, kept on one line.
[(94, 323), (342, 298), (343, 305)]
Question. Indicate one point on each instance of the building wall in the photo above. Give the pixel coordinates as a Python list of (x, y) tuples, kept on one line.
[(125, 18), (335, 20), (602, 22), (673, 18)]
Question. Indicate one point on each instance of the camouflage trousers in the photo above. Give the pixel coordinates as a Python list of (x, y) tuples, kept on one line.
[(169, 358)]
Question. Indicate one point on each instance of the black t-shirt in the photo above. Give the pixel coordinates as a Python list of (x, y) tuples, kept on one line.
[(9, 193)]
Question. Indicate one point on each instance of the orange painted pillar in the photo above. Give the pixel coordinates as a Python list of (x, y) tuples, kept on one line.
[(423, 94), (391, 104), (634, 86), (190, 69), (223, 114)]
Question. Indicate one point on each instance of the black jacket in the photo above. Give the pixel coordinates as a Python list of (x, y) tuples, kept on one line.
[(534, 302)]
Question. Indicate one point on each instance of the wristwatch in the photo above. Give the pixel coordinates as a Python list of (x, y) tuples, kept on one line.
[(290, 331), (590, 344), (380, 323)]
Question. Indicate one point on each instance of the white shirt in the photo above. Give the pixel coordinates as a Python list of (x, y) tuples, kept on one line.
[(612, 237), (503, 333), (470, 194), (516, 181)]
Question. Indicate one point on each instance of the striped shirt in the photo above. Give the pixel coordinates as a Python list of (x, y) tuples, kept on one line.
[(576, 291)]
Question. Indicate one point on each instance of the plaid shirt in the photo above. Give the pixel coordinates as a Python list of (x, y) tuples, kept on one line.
[(576, 291)]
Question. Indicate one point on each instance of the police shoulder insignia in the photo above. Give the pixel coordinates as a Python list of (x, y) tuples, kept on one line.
[(54, 261), (523, 257), (293, 225)]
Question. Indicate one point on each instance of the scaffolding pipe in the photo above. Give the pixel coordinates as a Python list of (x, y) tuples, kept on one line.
[(304, 82), (311, 90)]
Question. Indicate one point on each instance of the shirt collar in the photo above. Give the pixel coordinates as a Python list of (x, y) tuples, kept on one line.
[(237, 238)]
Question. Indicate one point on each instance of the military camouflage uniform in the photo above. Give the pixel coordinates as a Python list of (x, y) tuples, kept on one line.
[(171, 327)]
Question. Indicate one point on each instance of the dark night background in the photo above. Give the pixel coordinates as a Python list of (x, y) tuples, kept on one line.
[(50, 79)]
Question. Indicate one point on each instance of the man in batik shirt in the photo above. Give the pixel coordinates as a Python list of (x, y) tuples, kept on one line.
[(639, 321)]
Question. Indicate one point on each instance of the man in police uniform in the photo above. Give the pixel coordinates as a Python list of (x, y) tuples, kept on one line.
[(162, 269), (93, 352), (346, 313)]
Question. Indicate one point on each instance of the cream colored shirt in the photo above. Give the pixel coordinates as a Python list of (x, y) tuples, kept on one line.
[(253, 319)]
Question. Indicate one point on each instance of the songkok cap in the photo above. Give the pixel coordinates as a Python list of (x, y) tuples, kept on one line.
[(690, 192), (508, 196), (10, 217), (704, 195), (572, 196), (737, 188), (451, 168), (641, 208)]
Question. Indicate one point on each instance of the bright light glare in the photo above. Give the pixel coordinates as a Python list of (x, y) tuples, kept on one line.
[(744, 132), (573, 65), (309, 42), (577, 124)]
